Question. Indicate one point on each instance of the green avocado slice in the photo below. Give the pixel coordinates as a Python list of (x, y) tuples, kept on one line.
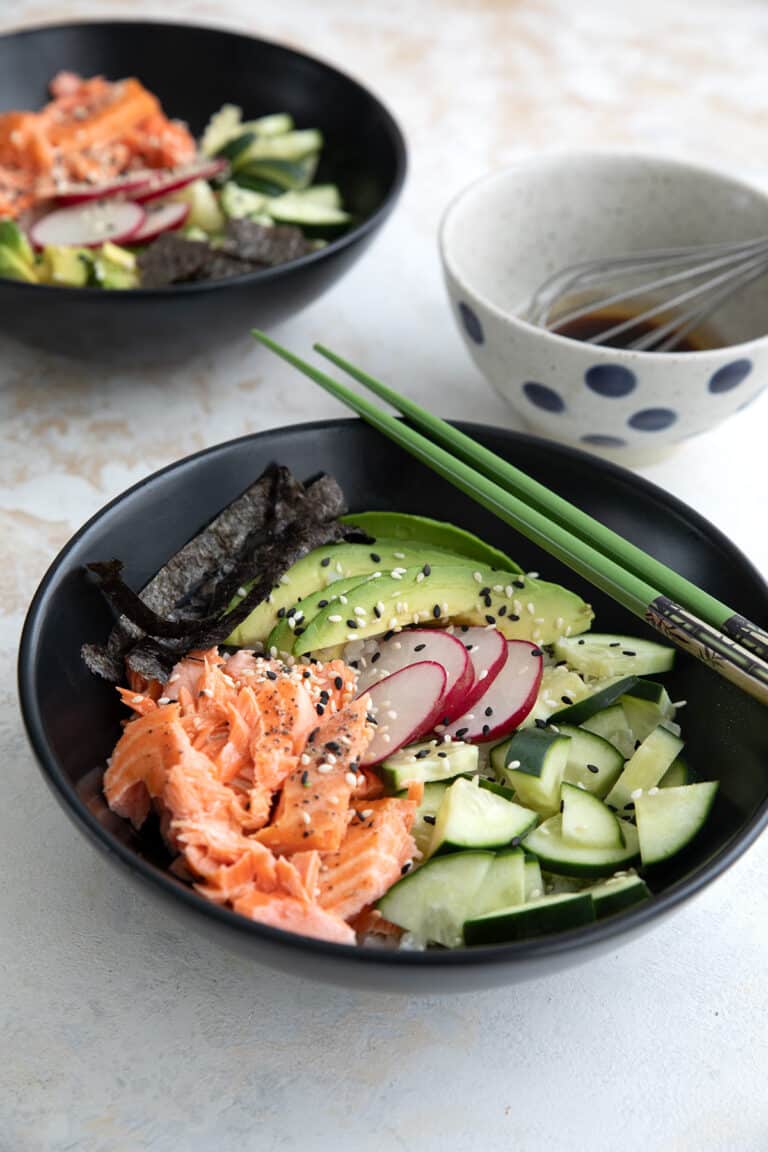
[(537, 611), (323, 566), (437, 533), (283, 635)]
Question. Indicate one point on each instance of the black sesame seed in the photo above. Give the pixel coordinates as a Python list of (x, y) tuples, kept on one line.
[(593, 768), (629, 805), (485, 591), (280, 613), (612, 807), (320, 709), (354, 664), (465, 627), (562, 805), (375, 557), (290, 613), (566, 700), (490, 619), (580, 641), (486, 729), (513, 616), (377, 612), (352, 624), (487, 601), (637, 744), (406, 868), (437, 612), (516, 841), (389, 635), (426, 569), (313, 735), (489, 711), (540, 723), (306, 674), (422, 753), (323, 603), (375, 657), (419, 647), (324, 697), (628, 652), (325, 562), (536, 652), (371, 718), (332, 746), (461, 732), (338, 683), (519, 583), (443, 755), (305, 779), (430, 819), (307, 832), (502, 611), (299, 631), (271, 675), (615, 644)]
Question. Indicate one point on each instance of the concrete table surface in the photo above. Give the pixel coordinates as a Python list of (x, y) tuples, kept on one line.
[(120, 1033)]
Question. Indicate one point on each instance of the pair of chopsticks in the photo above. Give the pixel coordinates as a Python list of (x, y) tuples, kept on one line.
[(686, 615)]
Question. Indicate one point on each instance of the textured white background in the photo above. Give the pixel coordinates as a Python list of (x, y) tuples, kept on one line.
[(119, 1033)]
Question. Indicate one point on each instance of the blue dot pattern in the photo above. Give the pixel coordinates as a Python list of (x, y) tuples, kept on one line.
[(730, 375), (472, 325), (603, 441), (652, 419), (543, 397), (610, 380)]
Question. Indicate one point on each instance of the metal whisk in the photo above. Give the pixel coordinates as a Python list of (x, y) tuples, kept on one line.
[(683, 287)]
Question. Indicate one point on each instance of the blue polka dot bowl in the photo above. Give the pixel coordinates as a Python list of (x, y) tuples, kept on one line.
[(503, 236)]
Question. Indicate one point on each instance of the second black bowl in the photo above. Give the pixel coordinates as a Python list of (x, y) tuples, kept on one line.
[(194, 71)]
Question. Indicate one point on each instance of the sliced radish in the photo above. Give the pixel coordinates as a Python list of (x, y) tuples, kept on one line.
[(126, 186), (89, 225), (405, 705), (160, 218), (416, 646), (166, 182), (487, 650), (507, 702)]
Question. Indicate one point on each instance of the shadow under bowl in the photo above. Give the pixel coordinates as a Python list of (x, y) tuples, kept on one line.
[(194, 70)]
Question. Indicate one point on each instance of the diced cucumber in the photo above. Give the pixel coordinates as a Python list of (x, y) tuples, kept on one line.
[(290, 146), (204, 210), (329, 196), (426, 814), (434, 900), (668, 820), (549, 914), (679, 773), (428, 761), (222, 127), (496, 788), (600, 654), (587, 823), (645, 768), (645, 706), (298, 208), (592, 761), (535, 760), (276, 124), (534, 881), (554, 855), (273, 177), (617, 893), (558, 686), (611, 724), (240, 203), (588, 706), (235, 148), (474, 817), (504, 883)]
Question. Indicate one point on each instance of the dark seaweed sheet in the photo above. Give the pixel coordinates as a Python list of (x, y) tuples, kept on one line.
[(275, 522), (245, 247)]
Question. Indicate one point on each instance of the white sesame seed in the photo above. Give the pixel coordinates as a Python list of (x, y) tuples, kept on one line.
[(335, 619), (478, 576), (393, 622), (385, 738), (172, 679), (395, 575), (285, 580), (513, 764), (537, 893), (397, 645), (532, 575), (164, 700), (509, 591), (291, 622), (559, 623), (304, 759), (366, 813), (380, 605), (679, 703), (399, 555), (483, 674), (530, 608), (392, 714), (343, 600), (273, 652), (636, 794), (419, 577), (361, 611), (242, 591), (350, 778), (206, 692), (137, 699), (306, 817), (579, 784), (339, 568), (498, 587), (652, 791)]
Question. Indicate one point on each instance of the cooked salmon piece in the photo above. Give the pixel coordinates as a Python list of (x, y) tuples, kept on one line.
[(143, 756), (294, 916), (377, 845), (313, 806)]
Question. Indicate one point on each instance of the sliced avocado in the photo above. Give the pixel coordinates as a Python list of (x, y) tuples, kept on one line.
[(296, 618), (324, 566), (12, 237), (398, 526), (13, 267), (453, 592), (66, 265), (111, 273)]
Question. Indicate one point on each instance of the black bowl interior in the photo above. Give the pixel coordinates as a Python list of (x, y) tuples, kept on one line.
[(73, 718), (194, 71)]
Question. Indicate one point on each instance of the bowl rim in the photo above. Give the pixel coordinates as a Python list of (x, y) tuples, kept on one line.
[(610, 155), (262, 275), (165, 884)]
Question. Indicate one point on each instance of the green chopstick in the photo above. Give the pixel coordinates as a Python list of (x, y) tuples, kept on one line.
[(629, 590), (567, 515)]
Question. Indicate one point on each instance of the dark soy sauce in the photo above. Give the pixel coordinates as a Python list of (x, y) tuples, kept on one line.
[(596, 322)]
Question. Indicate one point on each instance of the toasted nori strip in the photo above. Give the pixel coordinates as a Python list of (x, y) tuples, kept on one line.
[(172, 259), (275, 522), (245, 247), (262, 244)]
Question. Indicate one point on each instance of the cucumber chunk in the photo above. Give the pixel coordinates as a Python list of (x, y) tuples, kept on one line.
[(668, 820), (583, 709), (428, 761), (645, 707), (592, 761), (534, 881), (600, 654), (535, 760), (300, 209), (433, 901), (426, 814), (645, 768), (679, 773), (611, 724), (617, 893), (504, 883), (549, 914), (587, 823), (554, 855), (474, 817)]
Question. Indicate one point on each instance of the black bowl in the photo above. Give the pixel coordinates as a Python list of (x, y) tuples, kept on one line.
[(194, 71), (73, 718)]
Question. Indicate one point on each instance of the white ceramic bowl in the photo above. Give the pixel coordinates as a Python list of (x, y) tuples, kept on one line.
[(504, 235)]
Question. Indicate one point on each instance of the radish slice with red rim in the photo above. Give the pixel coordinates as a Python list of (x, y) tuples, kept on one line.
[(508, 700), (89, 225), (166, 182), (404, 706), (128, 186), (487, 651), (415, 646), (158, 219)]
